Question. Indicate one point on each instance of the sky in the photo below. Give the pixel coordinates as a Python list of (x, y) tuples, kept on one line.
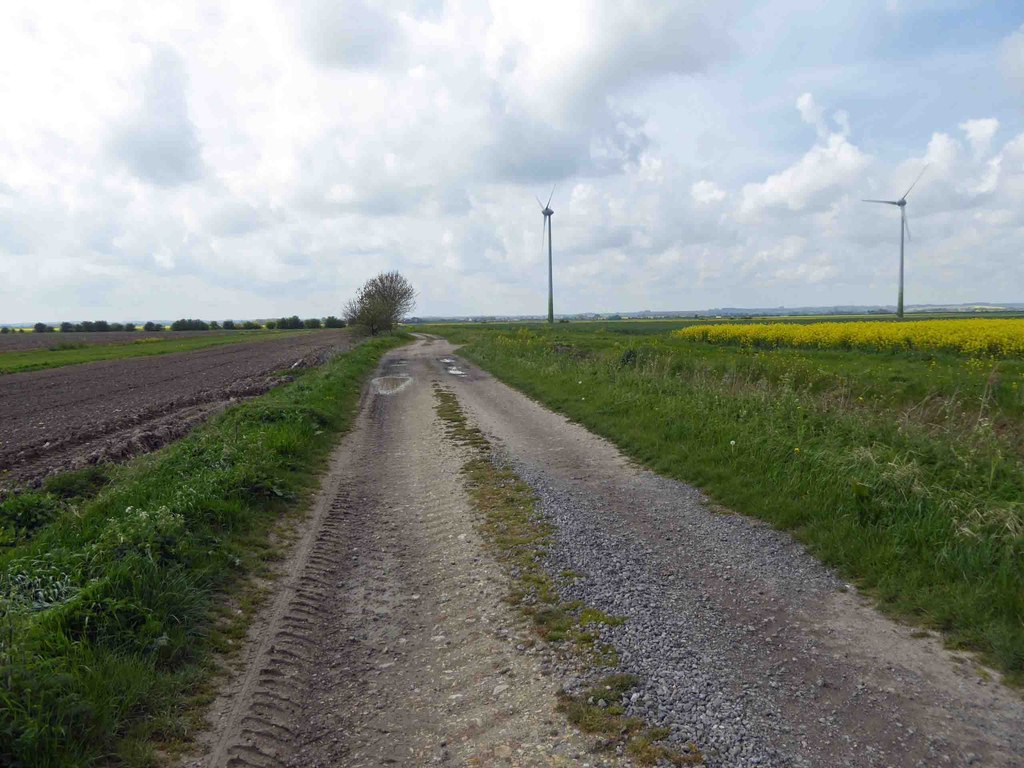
[(257, 158)]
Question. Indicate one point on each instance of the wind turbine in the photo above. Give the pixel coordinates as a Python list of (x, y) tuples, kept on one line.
[(904, 228), (545, 208)]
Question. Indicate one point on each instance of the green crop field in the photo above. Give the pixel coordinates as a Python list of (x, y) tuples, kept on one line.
[(903, 469), (60, 354)]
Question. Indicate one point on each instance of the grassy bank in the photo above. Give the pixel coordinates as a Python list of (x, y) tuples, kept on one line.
[(60, 353), (903, 470), (110, 609)]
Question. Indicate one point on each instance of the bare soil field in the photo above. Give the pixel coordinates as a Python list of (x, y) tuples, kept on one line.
[(63, 418), (19, 342)]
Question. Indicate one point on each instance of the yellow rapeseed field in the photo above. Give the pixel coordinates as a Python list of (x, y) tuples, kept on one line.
[(974, 336)]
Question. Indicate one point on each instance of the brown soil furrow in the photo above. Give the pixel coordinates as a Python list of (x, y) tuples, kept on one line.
[(63, 418)]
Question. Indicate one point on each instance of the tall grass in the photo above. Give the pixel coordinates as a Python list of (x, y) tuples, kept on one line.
[(108, 610), (919, 500)]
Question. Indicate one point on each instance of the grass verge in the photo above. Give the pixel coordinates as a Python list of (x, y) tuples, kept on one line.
[(904, 471), (519, 536), (108, 613), (61, 354)]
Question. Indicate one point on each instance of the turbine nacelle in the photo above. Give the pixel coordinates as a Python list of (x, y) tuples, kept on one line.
[(547, 211)]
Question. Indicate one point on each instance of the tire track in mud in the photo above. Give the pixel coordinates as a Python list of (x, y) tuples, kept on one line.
[(262, 722)]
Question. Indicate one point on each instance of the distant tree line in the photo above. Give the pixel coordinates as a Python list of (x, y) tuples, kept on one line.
[(184, 324)]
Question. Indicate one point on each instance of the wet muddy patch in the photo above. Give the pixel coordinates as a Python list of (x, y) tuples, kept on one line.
[(451, 366), (390, 385)]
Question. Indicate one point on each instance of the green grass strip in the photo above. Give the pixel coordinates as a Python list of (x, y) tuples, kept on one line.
[(61, 354), (923, 507), (109, 613)]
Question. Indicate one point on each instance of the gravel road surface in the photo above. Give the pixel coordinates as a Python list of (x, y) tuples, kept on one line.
[(63, 418), (387, 642)]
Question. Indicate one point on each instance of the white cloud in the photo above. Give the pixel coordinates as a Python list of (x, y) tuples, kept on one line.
[(824, 168), (705, 191), (811, 113), (980, 134), (158, 143), (1012, 57)]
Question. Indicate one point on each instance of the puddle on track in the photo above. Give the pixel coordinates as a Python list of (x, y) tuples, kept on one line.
[(390, 385), (451, 367)]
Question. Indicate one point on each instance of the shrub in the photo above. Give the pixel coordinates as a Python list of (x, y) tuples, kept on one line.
[(66, 327), (313, 322), (270, 324), (117, 326), (129, 327), (333, 322), (93, 326), (5, 329), (214, 325), (228, 325), (42, 328), (190, 325), (251, 325), (289, 323), (380, 303)]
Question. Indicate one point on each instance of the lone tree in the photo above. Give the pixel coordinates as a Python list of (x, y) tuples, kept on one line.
[(381, 303)]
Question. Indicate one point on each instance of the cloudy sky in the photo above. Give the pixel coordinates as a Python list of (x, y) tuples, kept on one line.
[(256, 158)]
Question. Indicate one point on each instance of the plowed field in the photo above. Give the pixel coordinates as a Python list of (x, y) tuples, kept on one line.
[(63, 418), (10, 342)]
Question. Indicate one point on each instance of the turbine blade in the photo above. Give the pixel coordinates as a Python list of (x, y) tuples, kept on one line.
[(915, 182), (551, 195), (543, 232), (906, 224), (888, 202), (540, 203)]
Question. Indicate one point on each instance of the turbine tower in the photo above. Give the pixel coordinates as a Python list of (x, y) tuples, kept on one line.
[(545, 208), (904, 228)]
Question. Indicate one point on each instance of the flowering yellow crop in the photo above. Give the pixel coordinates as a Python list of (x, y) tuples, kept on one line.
[(974, 336)]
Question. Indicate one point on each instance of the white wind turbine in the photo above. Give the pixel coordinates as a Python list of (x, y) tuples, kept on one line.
[(548, 213), (904, 228)]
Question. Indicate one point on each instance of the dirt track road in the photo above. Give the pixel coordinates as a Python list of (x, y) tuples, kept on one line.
[(387, 642), (62, 418)]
